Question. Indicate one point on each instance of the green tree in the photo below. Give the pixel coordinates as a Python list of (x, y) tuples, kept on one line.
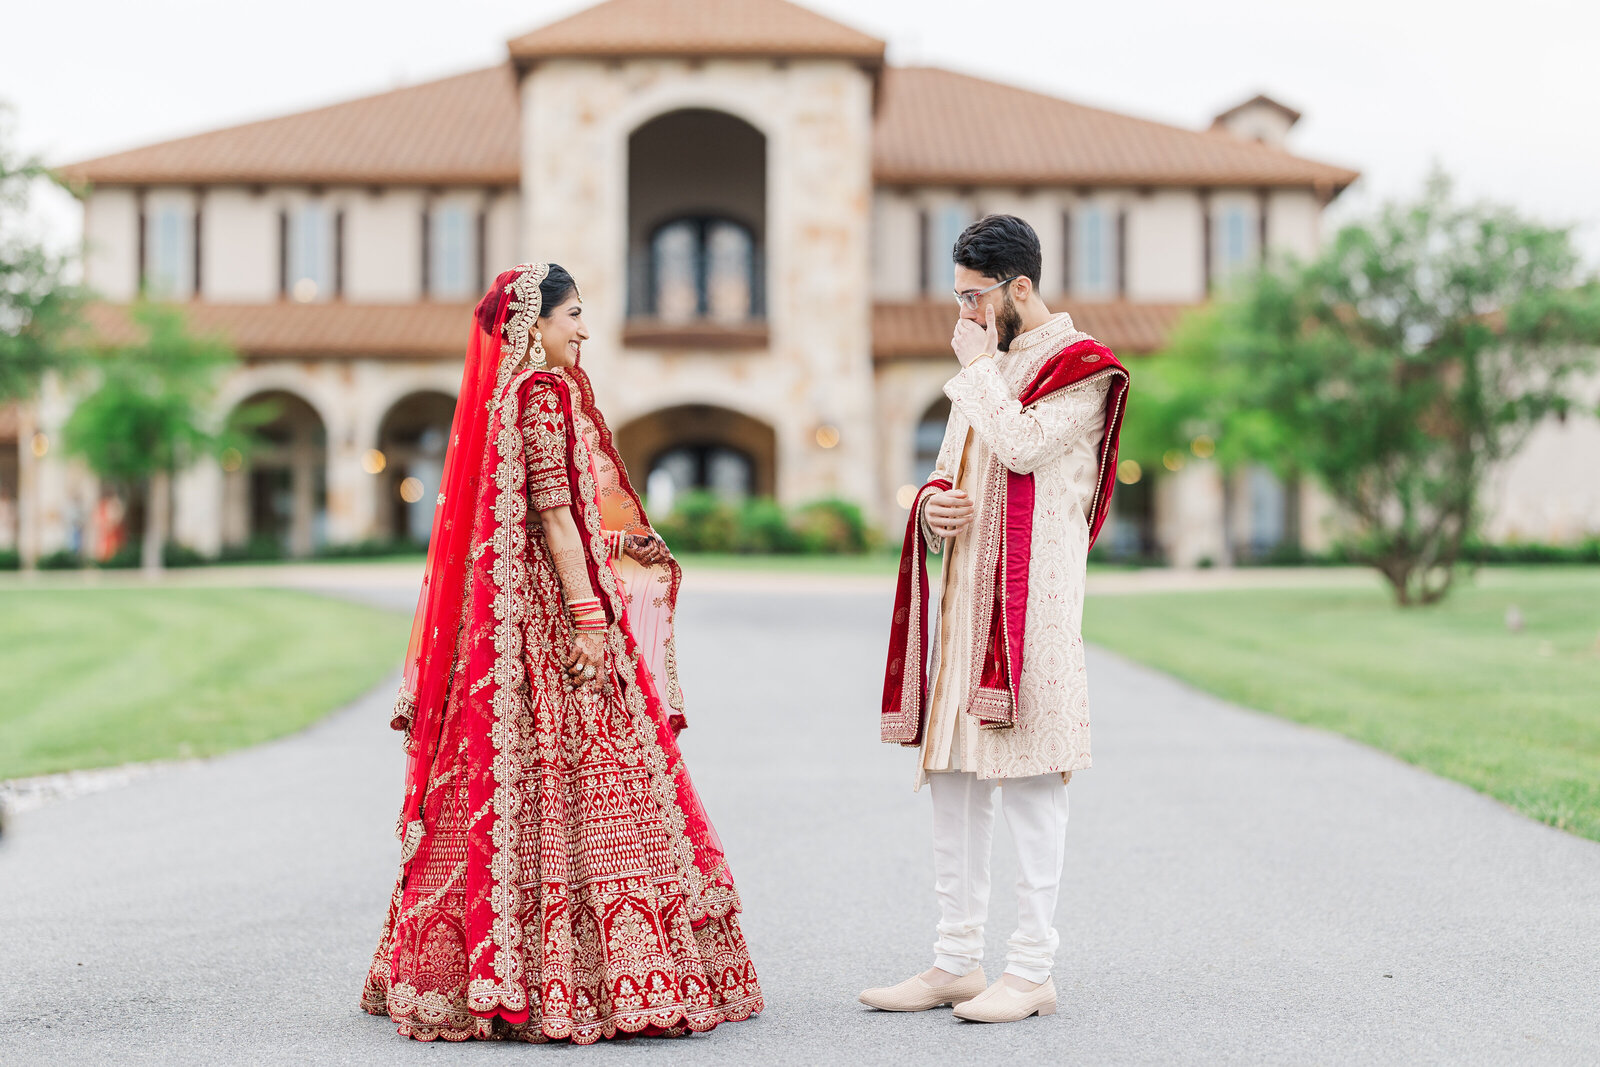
[(149, 414), (1399, 367), (38, 306)]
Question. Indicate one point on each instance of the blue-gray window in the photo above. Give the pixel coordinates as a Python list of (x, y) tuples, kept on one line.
[(1097, 246), (704, 268), (946, 224), (451, 273), (1235, 237), (310, 251), (167, 272)]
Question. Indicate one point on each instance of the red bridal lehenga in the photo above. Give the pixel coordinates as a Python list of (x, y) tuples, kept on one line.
[(559, 878)]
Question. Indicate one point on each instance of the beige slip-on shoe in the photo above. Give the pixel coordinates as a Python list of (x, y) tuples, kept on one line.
[(915, 994), (1002, 1004)]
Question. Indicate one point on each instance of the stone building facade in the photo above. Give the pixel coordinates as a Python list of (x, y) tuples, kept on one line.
[(759, 211)]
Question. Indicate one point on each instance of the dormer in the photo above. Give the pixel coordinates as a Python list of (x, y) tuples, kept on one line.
[(1260, 119)]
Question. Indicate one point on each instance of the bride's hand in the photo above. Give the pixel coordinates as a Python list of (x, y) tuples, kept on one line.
[(586, 665), (648, 549)]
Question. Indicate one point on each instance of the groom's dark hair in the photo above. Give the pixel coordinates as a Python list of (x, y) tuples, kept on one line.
[(1000, 246)]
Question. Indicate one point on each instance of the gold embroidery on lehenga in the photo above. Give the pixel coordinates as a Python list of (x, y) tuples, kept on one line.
[(704, 899), (546, 942)]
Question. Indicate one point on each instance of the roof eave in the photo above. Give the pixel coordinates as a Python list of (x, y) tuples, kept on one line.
[(1336, 183), (83, 175), (526, 60)]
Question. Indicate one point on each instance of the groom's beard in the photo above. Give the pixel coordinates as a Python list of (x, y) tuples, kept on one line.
[(1008, 323)]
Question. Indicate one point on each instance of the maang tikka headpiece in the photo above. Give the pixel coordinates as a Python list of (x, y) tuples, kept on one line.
[(522, 325)]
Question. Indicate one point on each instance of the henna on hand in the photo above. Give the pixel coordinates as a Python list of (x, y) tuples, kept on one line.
[(572, 569)]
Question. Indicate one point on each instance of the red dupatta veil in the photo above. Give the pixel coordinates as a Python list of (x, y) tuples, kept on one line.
[(473, 604)]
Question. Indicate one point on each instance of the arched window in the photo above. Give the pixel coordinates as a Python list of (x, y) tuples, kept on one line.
[(703, 267), (729, 472), (697, 446), (697, 218)]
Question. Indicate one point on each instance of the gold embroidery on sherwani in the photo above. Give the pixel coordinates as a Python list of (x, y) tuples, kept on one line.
[(1063, 454)]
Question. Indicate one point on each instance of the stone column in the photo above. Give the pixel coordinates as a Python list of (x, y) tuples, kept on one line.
[(1189, 516), (197, 507), (352, 493), (303, 501), (27, 483)]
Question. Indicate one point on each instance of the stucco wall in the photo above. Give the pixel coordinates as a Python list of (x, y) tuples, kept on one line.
[(816, 369), (239, 246)]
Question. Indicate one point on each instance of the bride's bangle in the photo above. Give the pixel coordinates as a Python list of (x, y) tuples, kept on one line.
[(588, 616)]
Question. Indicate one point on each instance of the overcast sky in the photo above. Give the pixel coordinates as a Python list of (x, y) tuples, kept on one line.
[(1503, 95)]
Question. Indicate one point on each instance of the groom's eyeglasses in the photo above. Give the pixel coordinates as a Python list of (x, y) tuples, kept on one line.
[(969, 299)]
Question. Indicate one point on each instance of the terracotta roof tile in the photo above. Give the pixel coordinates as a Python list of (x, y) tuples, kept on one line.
[(465, 129), (459, 130), (921, 329), (917, 329), (334, 330), (697, 27), (1061, 143)]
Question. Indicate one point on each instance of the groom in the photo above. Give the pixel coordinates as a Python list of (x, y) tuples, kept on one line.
[(990, 686)]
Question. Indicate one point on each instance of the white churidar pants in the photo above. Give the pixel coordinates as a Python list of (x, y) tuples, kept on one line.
[(1035, 811)]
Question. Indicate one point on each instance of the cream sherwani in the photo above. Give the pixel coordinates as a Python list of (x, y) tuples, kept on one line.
[(1058, 441)]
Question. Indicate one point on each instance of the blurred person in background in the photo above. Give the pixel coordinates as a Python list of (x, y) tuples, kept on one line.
[(559, 878), (1021, 488)]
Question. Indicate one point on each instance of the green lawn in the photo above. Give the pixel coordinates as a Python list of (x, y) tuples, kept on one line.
[(1449, 688), (95, 677)]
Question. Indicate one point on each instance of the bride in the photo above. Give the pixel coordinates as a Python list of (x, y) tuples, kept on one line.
[(559, 878)]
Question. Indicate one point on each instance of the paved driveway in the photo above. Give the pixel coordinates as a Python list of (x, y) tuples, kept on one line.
[(1238, 889)]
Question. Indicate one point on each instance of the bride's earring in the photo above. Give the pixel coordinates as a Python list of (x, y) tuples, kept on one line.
[(539, 362)]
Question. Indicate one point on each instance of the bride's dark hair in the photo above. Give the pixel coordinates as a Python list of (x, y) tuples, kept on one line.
[(553, 292), (555, 289)]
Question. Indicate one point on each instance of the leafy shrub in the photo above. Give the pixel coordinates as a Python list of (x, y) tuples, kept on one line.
[(10, 560), (400, 546), (128, 557), (125, 557), (832, 526), (257, 549), (62, 559), (763, 527), (1587, 551), (703, 522), (175, 555), (700, 522)]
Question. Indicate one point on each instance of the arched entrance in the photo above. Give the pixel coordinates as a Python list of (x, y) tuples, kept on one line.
[(698, 446), (275, 497), (928, 437), (697, 193), (1130, 531), (10, 478), (411, 446)]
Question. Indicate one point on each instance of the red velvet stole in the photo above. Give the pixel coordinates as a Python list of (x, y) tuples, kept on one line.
[(996, 696), (905, 684)]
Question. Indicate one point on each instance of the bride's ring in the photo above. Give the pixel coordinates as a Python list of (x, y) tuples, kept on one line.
[(589, 672)]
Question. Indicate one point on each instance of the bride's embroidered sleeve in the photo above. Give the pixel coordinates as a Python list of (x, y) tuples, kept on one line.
[(544, 436), (1025, 438)]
